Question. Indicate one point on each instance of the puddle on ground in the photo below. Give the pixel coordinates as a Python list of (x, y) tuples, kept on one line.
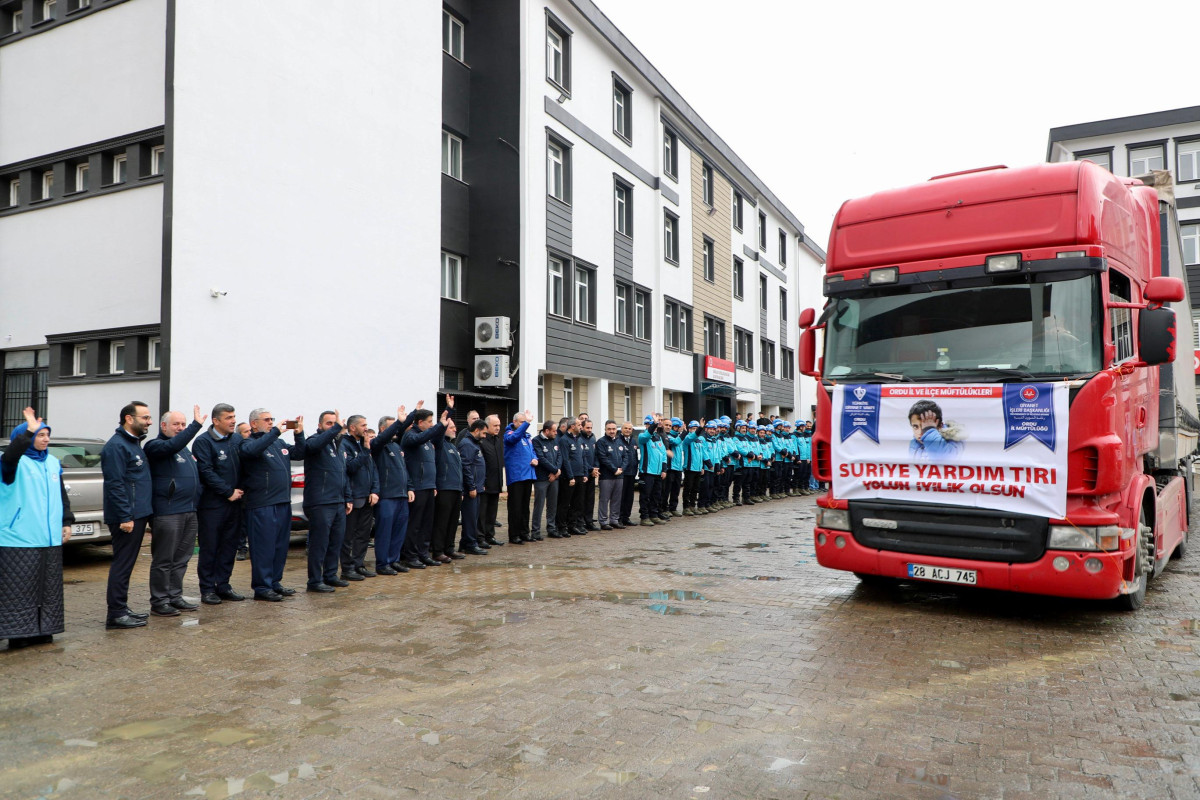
[(431, 738), (146, 728), (317, 700), (702, 545), (616, 778), (663, 608), (228, 736), (753, 546), (637, 648), (327, 681), (158, 768), (703, 726), (494, 622)]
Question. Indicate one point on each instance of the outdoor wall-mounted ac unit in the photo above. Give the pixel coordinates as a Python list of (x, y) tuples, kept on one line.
[(491, 370), (492, 333)]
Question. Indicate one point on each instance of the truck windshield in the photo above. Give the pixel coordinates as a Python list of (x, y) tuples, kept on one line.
[(1015, 330)]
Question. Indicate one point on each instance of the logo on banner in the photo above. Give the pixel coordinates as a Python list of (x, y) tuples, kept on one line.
[(862, 413), (1028, 411)]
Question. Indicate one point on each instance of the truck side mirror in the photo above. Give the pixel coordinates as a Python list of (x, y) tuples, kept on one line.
[(1156, 334), (806, 317), (808, 353), (1164, 289)]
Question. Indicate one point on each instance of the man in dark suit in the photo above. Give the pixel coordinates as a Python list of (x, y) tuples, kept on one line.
[(492, 446)]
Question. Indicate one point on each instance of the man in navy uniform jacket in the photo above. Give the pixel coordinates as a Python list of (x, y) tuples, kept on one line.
[(267, 479), (219, 514), (176, 489), (326, 503), (128, 504), (421, 461)]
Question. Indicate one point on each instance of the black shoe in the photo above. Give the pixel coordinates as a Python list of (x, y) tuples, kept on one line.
[(665, 517), (400, 568), (456, 556), (414, 564), (537, 538), (121, 622), (475, 551), (606, 527), (338, 582), (164, 610), (430, 562), (483, 545), (580, 532), (242, 555), (285, 591), (184, 605), (499, 524), (352, 576), (269, 596), (386, 570), (210, 599), (366, 572), (137, 614), (231, 595), (620, 526), (591, 526), (494, 542), (323, 588), (516, 541)]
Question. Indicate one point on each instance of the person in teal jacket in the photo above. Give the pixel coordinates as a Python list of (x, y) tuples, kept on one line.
[(693, 467), (804, 454), (742, 463), (652, 458), (766, 459), (674, 442), (35, 522)]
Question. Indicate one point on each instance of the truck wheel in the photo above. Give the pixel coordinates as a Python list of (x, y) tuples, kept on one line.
[(1143, 565)]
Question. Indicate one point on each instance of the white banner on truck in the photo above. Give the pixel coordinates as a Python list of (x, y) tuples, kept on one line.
[(1001, 446)]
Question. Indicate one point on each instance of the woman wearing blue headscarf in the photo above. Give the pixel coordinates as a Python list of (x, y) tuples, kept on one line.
[(35, 521)]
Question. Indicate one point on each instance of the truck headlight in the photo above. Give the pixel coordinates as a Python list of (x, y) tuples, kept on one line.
[(1067, 537), (837, 519)]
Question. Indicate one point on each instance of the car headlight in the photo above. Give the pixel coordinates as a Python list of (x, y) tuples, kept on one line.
[(1068, 537), (837, 519)]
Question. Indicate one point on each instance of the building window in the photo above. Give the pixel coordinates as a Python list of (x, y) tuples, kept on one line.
[(710, 269), (450, 379), (743, 349), (670, 237), (622, 110), (48, 10), (762, 231), (1103, 159), (81, 177), (584, 283), (670, 326), (558, 171), (739, 269), (768, 357), (685, 329), (762, 292), (451, 155), (79, 360), (1191, 244), (1143, 160), (623, 208), (568, 397), (17, 18), (622, 308), (116, 358), (541, 406), (452, 35), (47, 184), (670, 154), (557, 301), (451, 276), (1188, 154), (714, 337), (156, 159), (153, 353), (706, 184), (558, 55), (641, 327), (118, 168), (787, 364), (782, 247), (738, 204), (783, 315), (14, 192), (627, 402)]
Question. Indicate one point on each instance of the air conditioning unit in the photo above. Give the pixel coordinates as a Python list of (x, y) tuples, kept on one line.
[(491, 333), (491, 370)]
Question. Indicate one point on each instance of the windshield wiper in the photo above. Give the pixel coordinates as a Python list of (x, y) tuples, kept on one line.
[(896, 376), (1015, 373)]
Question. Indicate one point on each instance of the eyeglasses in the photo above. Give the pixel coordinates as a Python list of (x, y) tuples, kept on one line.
[(266, 419)]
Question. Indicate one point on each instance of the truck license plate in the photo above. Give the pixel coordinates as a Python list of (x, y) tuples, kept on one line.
[(83, 527), (926, 572)]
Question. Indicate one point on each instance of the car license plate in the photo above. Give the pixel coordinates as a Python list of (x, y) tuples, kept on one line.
[(926, 572), (83, 527)]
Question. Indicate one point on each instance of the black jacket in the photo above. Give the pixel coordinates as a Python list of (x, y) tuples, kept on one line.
[(611, 455), (218, 463), (266, 471), (449, 465), (361, 477), (419, 456), (472, 464), (493, 462), (389, 460), (173, 472), (548, 452), (128, 489), (325, 480), (631, 454)]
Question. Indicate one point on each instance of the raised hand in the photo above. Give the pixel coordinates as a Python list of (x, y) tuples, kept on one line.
[(31, 419), (400, 413), (196, 415), (449, 401)]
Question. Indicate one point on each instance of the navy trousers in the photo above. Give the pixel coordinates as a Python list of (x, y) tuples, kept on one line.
[(391, 523), (420, 526), (326, 532), (219, 535), (648, 505), (470, 521), (125, 547), (269, 531)]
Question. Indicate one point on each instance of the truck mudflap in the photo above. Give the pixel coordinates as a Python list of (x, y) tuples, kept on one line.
[(1170, 519), (1059, 573)]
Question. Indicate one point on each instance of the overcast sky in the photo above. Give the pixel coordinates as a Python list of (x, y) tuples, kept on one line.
[(832, 100)]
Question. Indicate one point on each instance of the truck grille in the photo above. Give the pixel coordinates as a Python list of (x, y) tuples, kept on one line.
[(949, 531)]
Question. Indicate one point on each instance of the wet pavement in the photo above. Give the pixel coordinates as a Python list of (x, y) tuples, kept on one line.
[(708, 658)]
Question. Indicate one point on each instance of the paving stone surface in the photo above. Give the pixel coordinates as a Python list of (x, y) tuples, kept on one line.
[(708, 658)]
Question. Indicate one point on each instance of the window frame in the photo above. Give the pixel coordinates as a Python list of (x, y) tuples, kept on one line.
[(1194, 152), (568, 397), (787, 363), (564, 163), (738, 211), (79, 360), (627, 403), (622, 109), (584, 305), (116, 352), (457, 261), (743, 349), (762, 292), (83, 173), (120, 164), (157, 154), (739, 279), (622, 208), (767, 357), (783, 244), (642, 308), (1087, 155), (708, 252), (762, 231), (448, 27), (670, 324), (14, 192), (714, 334), (686, 333), (783, 299), (706, 183), (563, 295), (562, 81), (1160, 145), (1194, 235), (670, 237), (449, 140), (47, 185), (621, 303), (154, 354), (670, 154)]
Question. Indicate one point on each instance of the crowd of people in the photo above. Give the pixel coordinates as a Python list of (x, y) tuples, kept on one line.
[(425, 492)]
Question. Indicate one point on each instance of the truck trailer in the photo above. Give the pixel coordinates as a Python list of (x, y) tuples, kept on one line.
[(1000, 401)]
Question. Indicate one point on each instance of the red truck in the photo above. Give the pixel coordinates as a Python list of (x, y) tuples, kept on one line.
[(1000, 404)]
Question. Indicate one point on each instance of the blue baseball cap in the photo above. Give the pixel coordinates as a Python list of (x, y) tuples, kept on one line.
[(649, 420), (693, 424), (777, 423), (676, 421), (741, 423), (712, 423)]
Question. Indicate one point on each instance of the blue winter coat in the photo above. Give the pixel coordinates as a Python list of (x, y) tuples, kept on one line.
[(518, 453), (390, 468), (128, 489), (217, 460), (173, 472), (266, 467), (419, 456), (325, 481), (474, 469), (33, 500)]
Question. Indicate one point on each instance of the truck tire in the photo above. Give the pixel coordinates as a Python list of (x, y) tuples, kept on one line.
[(1143, 565)]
